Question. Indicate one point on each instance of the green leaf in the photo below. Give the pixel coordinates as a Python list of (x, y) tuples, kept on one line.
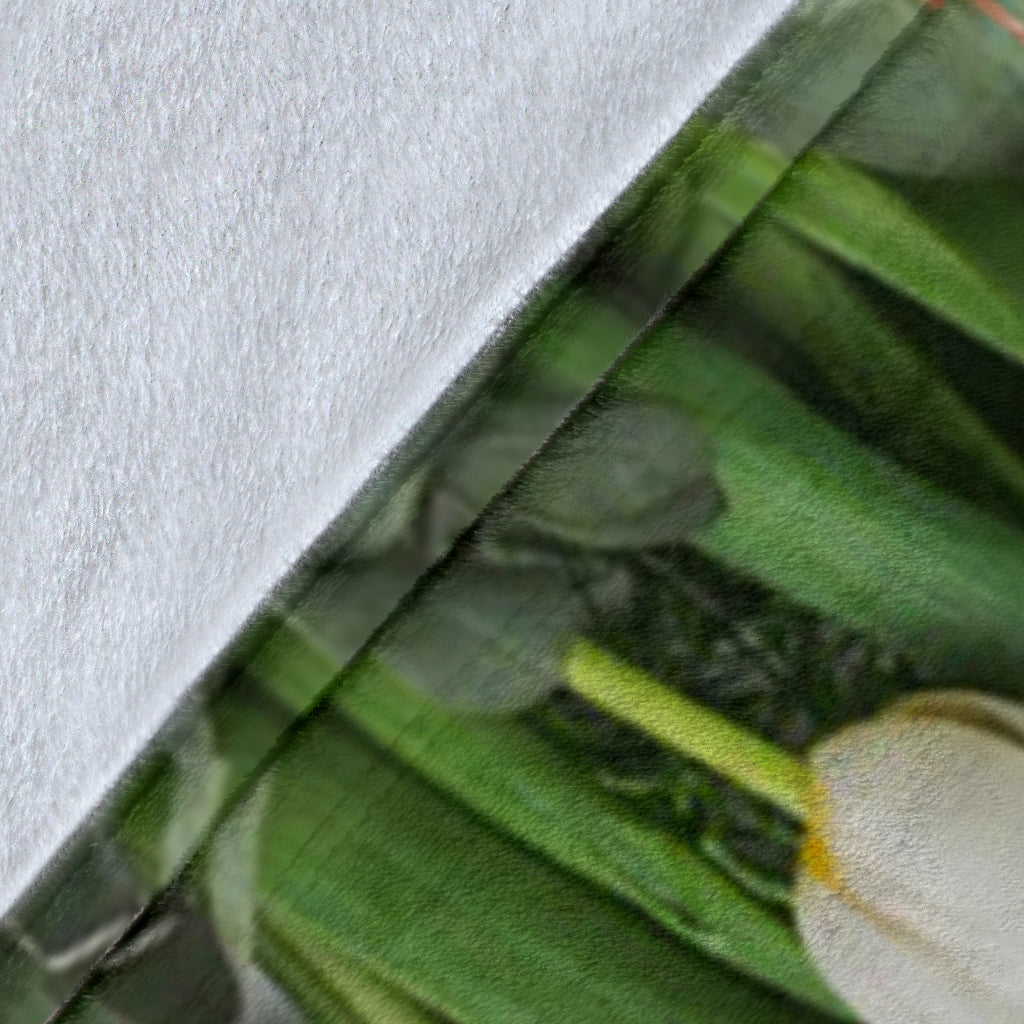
[(838, 528), (326, 979), (390, 873), (856, 218), (522, 786), (804, 308), (930, 113)]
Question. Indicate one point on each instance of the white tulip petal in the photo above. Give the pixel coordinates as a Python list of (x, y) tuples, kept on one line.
[(883, 982), (914, 909)]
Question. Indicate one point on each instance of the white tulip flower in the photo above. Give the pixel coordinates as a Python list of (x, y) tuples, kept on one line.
[(910, 892)]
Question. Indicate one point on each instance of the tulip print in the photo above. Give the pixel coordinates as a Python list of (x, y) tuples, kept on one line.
[(909, 893)]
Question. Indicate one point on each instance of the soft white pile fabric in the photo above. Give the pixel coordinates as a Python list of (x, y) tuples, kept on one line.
[(244, 246)]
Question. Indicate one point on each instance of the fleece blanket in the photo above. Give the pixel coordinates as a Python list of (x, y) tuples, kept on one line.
[(670, 669), (245, 246)]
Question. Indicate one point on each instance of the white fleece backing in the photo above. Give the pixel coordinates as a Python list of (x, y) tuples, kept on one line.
[(244, 246)]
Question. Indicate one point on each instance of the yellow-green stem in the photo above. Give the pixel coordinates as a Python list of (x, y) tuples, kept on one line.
[(630, 694)]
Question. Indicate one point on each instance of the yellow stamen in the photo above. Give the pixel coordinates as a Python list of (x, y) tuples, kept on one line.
[(816, 856)]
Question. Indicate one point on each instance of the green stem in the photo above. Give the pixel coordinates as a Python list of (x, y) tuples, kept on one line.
[(693, 730)]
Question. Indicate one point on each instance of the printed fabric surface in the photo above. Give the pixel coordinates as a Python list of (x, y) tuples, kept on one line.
[(594, 706)]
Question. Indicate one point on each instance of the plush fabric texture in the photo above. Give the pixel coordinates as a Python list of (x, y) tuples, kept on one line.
[(244, 247)]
